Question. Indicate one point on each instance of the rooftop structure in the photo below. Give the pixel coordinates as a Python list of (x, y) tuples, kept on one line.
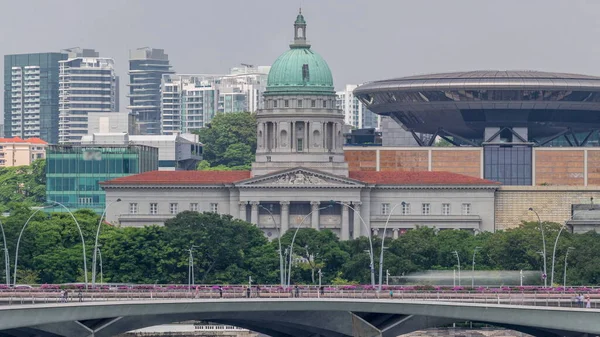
[(491, 106), (17, 152)]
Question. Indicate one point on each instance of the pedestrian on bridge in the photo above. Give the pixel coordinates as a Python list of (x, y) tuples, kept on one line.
[(391, 293), (80, 296), (220, 292), (248, 292), (588, 302)]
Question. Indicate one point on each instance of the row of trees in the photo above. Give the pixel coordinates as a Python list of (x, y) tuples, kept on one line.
[(227, 250), (23, 184)]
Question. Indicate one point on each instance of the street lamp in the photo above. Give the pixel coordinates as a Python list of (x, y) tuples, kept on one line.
[(554, 250), (100, 256), (566, 256), (191, 267), (281, 273), (368, 230), (473, 267), (383, 242), (53, 203), (545, 276), (294, 239), (96, 241), (6, 258), (458, 259)]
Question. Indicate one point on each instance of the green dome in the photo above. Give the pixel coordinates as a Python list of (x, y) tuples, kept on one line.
[(300, 71)]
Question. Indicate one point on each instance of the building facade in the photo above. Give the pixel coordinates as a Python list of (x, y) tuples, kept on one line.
[(356, 113), (300, 177), (87, 83), (31, 95), (175, 152), (73, 173), (146, 68), (17, 152), (189, 102)]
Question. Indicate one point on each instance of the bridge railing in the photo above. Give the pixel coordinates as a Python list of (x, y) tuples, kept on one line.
[(531, 298)]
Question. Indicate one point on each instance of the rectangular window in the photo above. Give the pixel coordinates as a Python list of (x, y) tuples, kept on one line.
[(275, 103), (299, 145), (299, 103), (133, 208), (214, 207), (445, 209), (385, 209), (425, 209), (194, 207), (153, 208), (313, 103), (286, 103), (406, 209), (466, 209), (173, 208), (324, 103)]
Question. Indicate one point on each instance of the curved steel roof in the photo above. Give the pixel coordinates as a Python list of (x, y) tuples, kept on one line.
[(493, 79)]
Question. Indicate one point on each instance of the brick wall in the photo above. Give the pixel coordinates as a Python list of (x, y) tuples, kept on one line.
[(404, 160), (457, 161), (559, 167), (553, 203), (361, 160)]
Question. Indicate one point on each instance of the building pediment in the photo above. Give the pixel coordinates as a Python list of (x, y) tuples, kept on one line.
[(299, 178)]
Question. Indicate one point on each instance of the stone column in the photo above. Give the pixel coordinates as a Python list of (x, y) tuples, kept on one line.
[(305, 137), (254, 212), (293, 136), (285, 216), (345, 231), (243, 210), (315, 214), (395, 233), (358, 225)]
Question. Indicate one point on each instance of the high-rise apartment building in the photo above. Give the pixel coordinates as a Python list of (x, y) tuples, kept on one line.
[(146, 68), (87, 83), (31, 95), (355, 112), (189, 102)]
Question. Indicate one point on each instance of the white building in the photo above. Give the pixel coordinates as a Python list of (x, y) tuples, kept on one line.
[(356, 113), (189, 102), (87, 83), (300, 177), (175, 152)]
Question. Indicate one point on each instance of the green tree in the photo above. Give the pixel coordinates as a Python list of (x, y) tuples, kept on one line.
[(229, 140), (23, 184)]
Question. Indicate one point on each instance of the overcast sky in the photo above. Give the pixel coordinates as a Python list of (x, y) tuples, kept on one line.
[(360, 40)]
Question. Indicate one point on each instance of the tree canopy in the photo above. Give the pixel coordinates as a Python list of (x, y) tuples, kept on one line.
[(229, 141), (23, 184), (228, 251)]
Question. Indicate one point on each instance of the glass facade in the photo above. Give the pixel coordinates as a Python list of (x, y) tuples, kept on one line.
[(73, 173), (509, 165), (31, 95)]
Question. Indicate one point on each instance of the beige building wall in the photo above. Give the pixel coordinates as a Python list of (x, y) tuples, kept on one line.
[(18, 152), (553, 203)]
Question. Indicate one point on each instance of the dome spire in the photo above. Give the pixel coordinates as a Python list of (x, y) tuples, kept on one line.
[(300, 32)]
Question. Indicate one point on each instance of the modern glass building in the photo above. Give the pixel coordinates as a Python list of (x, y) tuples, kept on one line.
[(73, 173), (31, 95), (146, 68)]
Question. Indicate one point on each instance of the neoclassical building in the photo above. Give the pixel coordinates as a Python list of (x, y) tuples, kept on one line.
[(300, 177)]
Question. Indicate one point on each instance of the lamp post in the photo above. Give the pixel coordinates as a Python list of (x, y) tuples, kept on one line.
[(285, 260), (100, 256), (368, 230), (545, 276), (319, 290), (96, 241), (458, 259), (294, 239), (566, 256), (53, 203), (190, 267), (387, 277), (554, 251), (281, 273), (473, 267), (6, 257), (383, 243)]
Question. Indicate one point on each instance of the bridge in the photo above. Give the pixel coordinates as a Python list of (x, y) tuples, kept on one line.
[(292, 317)]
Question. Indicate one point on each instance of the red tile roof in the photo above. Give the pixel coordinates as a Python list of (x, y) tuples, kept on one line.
[(181, 177), (20, 140), (227, 177), (417, 178)]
